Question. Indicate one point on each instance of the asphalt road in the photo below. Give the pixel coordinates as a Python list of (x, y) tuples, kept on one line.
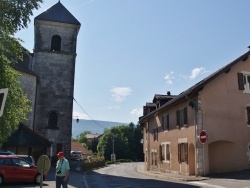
[(125, 175)]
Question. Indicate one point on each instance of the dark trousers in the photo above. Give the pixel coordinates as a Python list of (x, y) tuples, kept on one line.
[(60, 182)]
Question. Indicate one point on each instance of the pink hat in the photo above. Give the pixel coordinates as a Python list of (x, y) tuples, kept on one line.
[(60, 154)]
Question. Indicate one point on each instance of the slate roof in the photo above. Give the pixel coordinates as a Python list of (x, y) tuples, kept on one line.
[(58, 13), (193, 90), (26, 137), (25, 64)]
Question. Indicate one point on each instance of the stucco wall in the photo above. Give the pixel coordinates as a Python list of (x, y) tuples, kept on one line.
[(223, 108), (173, 136)]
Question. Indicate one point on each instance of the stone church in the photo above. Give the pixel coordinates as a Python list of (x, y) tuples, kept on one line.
[(47, 77)]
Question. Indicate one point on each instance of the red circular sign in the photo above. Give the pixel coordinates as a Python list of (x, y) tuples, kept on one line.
[(203, 137)]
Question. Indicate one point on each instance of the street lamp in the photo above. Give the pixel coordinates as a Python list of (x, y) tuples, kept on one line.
[(77, 120)]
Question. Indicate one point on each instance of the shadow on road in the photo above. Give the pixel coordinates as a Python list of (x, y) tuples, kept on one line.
[(240, 175), (117, 181)]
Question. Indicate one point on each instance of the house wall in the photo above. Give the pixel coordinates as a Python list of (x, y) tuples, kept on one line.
[(223, 108), (173, 137)]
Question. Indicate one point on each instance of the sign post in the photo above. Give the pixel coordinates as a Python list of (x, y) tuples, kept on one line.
[(203, 137), (3, 95)]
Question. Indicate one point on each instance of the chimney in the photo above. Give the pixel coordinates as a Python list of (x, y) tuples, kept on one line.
[(168, 93)]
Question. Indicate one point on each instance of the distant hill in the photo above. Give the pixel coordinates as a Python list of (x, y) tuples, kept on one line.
[(94, 126)]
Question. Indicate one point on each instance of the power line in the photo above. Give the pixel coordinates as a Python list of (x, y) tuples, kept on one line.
[(88, 114)]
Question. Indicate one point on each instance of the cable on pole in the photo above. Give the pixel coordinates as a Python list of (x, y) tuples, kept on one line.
[(88, 114)]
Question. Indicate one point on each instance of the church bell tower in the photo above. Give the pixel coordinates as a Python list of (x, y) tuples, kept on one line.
[(56, 31)]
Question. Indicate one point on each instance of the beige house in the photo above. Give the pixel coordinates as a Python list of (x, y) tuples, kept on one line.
[(219, 105)]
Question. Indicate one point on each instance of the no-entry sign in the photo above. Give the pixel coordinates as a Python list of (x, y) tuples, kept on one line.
[(203, 137)]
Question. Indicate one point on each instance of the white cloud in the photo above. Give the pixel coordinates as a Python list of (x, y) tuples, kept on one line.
[(120, 93), (137, 111), (169, 78), (80, 115), (196, 72)]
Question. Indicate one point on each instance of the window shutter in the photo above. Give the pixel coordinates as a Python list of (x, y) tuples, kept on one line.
[(186, 152), (179, 153), (241, 81), (178, 118), (248, 115), (167, 122), (157, 134), (185, 116), (162, 122), (160, 153)]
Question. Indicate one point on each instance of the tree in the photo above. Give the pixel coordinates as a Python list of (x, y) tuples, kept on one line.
[(14, 15), (124, 138), (83, 139)]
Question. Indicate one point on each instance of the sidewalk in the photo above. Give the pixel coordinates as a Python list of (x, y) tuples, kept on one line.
[(169, 176)]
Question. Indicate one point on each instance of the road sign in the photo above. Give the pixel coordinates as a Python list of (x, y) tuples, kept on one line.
[(3, 95), (43, 166), (203, 137)]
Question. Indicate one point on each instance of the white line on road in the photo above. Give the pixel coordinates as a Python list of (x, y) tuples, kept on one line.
[(206, 184), (84, 179)]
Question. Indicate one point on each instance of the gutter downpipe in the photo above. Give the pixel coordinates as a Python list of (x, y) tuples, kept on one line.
[(195, 131), (195, 135)]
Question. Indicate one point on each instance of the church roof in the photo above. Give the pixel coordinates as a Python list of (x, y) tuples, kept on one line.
[(26, 137), (58, 13)]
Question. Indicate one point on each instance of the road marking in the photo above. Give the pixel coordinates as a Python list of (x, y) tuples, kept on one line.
[(84, 179), (206, 184)]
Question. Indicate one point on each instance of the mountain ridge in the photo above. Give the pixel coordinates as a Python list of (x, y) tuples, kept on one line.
[(94, 126)]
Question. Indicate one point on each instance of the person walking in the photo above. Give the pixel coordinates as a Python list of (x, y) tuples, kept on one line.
[(62, 171)]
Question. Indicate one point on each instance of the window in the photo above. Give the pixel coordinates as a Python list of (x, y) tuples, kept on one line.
[(19, 162), (154, 158), (165, 122), (244, 81), (165, 151), (163, 156), (53, 118), (155, 134), (248, 115), (183, 152), (55, 43), (181, 117), (5, 162)]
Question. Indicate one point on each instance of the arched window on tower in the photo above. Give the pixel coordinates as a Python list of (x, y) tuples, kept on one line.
[(52, 119), (56, 43)]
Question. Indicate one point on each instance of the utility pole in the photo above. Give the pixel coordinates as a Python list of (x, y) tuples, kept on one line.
[(113, 150)]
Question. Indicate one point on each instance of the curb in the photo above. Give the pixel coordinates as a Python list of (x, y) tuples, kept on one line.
[(165, 176)]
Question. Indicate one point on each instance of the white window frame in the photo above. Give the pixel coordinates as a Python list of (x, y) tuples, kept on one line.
[(246, 76), (166, 145)]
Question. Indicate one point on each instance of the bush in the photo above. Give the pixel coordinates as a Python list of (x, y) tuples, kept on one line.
[(93, 163)]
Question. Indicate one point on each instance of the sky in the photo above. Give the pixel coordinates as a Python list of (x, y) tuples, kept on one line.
[(130, 50)]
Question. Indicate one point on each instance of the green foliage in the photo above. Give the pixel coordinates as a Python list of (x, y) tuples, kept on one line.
[(83, 139), (14, 15), (123, 140)]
